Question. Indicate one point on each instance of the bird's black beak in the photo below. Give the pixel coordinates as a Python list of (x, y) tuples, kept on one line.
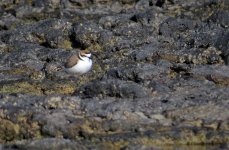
[(91, 57)]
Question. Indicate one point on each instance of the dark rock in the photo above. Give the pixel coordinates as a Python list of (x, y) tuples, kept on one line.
[(158, 77), (47, 143), (79, 3), (114, 88), (149, 19), (138, 73), (223, 44), (109, 22), (217, 74), (220, 17), (52, 33), (172, 27), (85, 34), (105, 37), (8, 21), (146, 53), (130, 29)]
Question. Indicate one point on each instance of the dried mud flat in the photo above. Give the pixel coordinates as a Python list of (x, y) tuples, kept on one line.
[(160, 78)]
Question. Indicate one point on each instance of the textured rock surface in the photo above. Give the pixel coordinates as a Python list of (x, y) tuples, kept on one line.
[(160, 78)]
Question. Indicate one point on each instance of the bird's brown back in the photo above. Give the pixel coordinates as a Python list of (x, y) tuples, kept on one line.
[(72, 61)]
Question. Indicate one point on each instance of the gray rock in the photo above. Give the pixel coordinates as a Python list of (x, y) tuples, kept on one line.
[(85, 34), (113, 88), (47, 143), (220, 17), (159, 74)]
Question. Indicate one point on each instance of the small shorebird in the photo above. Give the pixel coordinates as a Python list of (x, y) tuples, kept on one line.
[(79, 63)]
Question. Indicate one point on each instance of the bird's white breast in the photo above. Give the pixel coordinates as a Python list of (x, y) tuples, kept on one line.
[(83, 66)]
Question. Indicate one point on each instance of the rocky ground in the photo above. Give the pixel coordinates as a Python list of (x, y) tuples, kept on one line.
[(160, 78)]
